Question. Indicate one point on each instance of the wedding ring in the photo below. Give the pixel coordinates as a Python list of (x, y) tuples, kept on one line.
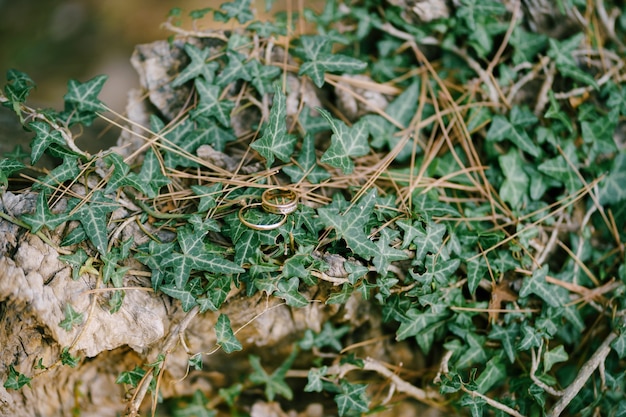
[(254, 226), (279, 201)]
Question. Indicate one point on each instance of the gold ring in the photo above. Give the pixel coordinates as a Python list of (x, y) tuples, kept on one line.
[(270, 226), (279, 201)]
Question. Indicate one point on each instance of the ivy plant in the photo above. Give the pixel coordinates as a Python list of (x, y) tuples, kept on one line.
[(481, 226)]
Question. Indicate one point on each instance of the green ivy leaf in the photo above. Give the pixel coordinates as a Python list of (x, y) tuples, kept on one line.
[(561, 53), (16, 380), (416, 323), (197, 67), (386, 253), (238, 9), (68, 170), (18, 88), (42, 217), (225, 336), (84, 96), (315, 379), (153, 255), (71, 318), (210, 104), (262, 76), (474, 404), (495, 372), (184, 295), (320, 60), (350, 225), (427, 240), (76, 260), (207, 196), (288, 291), (44, 137), (471, 353), (506, 336), (328, 337), (345, 142), (307, 164), (537, 284), (193, 256), (476, 271), (216, 292), (437, 270), (151, 175), (121, 175), (352, 398), (231, 393), (502, 129), (611, 189), (68, 359), (342, 296), (93, 217), (559, 169), (131, 378), (212, 133), (402, 110), (234, 70), (619, 344), (276, 142), (515, 186), (275, 383), (198, 407), (8, 167), (556, 355), (555, 112)]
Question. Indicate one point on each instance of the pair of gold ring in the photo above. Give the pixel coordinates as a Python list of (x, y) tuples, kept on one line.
[(281, 201)]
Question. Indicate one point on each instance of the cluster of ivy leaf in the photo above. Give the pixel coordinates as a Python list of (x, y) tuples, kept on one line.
[(536, 163)]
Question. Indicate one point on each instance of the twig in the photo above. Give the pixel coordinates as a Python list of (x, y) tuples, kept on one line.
[(533, 370), (133, 407), (401, 385), (608, 26), (542, 97), (194, 33), (493, 403), (583, 375)]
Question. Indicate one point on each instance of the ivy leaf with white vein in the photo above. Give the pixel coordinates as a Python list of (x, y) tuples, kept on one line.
[(84, 96), (151, 176), (515, 185), (352, 398), (93, 217), (307, 164), (44, 137), (386, 253), (276, 142), (428, 240), (288, 291), (210, 103), (351, 224), (239, 9), (186, 298), (234, 70), (198, 66), (537, 284), (194, 256), (68, 170), (345, 142), (225, 336), (121, 175), (42, 217), (319, 60)]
